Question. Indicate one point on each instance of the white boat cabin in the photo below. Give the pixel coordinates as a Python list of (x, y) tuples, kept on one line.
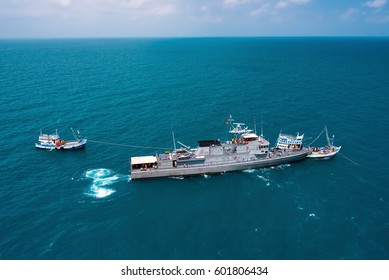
[(285, 141)]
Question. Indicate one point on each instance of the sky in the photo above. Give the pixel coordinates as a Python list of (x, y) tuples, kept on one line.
[(192, 18)]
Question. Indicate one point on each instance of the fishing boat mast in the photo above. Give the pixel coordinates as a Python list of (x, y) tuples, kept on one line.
[(328, 138)]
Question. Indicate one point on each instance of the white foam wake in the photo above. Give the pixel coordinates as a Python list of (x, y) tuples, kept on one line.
[(263, 178), (249, 171), (283, 166), (101, 179)]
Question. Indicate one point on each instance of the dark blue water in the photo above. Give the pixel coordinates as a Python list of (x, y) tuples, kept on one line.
[(83, 204)]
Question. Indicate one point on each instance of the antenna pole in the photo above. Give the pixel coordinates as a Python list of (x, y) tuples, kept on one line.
[(182, 144), (255, 126), (174, 141), (230, 120), (261, 129)]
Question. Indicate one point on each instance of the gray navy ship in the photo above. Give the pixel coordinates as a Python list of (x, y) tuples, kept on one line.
[(245, 150)]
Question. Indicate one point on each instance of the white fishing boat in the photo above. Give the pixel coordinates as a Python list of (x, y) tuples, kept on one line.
[(290, 142), (326, 152), (54, 142)]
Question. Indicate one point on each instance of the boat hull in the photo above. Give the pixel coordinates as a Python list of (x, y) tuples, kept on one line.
[(324, 156), (67, 146), (217, 168)]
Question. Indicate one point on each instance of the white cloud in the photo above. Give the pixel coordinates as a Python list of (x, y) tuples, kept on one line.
[(349, 14), (378, 19), (298, 2), (285, 3), (282, 4), (64, 3), (375, 3), (233, 3), (162, 10), (134, 4), (205, 9), (86, 9), (208, 15), (274, 9), (260, 11)]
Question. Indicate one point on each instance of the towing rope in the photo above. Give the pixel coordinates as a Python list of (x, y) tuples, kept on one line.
[(128, 146), (349, 159), (338, 153), (316, 138)]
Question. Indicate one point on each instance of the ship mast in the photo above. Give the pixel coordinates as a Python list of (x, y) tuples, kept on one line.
[(261, 129), (255, 126), (328, 138), (230, 120), (174, 141)]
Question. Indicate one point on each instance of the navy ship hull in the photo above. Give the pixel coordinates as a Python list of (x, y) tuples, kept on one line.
[(194, 170)]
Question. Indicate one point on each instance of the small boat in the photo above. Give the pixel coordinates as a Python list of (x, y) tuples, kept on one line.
[(53, 142), (326, 152)]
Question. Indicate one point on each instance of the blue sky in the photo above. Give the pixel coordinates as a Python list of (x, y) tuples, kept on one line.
[(187, 18)]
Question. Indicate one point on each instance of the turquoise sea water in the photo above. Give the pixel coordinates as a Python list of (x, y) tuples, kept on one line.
[(83, 204)]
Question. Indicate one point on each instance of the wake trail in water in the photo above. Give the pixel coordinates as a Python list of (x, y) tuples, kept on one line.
[(101, 180)]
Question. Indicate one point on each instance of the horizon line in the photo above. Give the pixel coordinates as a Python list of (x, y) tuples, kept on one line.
[(194, 37)]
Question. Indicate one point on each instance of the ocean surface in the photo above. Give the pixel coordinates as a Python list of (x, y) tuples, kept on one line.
[(83, 204)]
